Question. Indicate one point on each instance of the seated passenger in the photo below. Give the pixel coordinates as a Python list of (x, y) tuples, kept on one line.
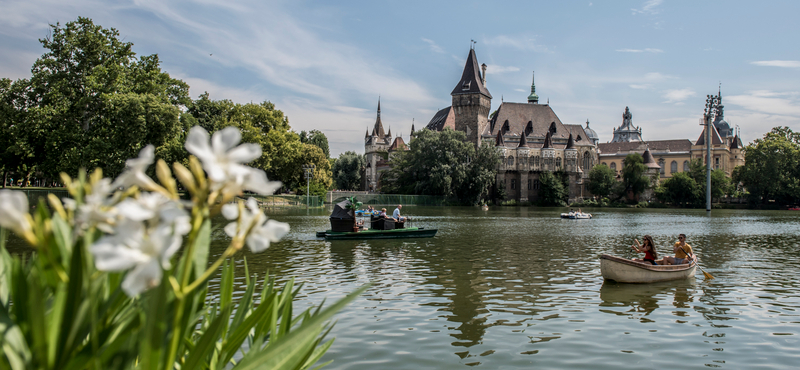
[(683, 252), (396, 215), (648, 248)]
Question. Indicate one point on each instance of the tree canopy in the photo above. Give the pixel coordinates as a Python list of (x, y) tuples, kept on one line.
[(347, 171), (443, 163), (601, 180), (634, 176), (553, 192), (772, 168), (316, 137)]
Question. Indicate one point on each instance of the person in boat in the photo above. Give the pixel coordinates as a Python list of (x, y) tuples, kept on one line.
[(396, 214), (683, 252), (383, 212), (648, 248)]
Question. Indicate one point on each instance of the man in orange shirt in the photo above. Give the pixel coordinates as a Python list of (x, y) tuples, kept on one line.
[(683, 252)]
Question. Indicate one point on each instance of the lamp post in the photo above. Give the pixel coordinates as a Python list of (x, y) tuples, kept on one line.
[(708, 115), (309, 170)]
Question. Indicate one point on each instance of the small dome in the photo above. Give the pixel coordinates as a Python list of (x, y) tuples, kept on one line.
[(590, 133)]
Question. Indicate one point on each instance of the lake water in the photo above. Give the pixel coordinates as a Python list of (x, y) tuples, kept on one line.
[(516, 288)]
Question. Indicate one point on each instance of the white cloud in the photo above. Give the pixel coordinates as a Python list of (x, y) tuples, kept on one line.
[(647, 50), (640, 87), (778, 63), (496, 69), (677, 96), (649, 7), (434, 47), (767, 102)]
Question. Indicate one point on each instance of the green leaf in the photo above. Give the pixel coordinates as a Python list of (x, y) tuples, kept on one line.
[(201, 247), (207, 340), (288, 352)]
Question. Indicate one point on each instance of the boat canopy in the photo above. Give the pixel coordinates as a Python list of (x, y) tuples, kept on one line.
[(341, 211)]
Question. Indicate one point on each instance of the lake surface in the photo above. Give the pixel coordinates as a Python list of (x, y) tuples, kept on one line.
[(516, 288)]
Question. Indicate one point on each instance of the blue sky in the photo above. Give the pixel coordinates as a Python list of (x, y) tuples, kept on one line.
[(324, 63)]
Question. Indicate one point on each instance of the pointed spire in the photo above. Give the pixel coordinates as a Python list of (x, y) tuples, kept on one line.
[(523, 142), (499, 141), (570, 142), (390, 132), (378, 128), (366, 134), (548, 141), (379, 106), (412, 127), (471, 81), (648, 159), (533, 98)]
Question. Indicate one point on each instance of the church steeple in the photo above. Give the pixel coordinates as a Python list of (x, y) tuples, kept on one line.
[(378, 129), (533, 98)]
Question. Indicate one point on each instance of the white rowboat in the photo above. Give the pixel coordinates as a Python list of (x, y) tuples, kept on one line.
[(624, 270)]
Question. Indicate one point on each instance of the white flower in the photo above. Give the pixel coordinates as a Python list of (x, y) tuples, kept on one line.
[(97, 208), (144, 253), (263, 231), (223, 161), (134, 173), (14, 211)]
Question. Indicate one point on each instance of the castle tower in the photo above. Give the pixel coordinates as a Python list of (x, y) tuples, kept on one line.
[(533, 98), (472, 101)]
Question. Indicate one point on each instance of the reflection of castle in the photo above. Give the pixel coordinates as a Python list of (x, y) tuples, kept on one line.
[(530, 136), (378, 147), (673, 156)]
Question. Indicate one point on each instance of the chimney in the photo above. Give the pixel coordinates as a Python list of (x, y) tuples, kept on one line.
[(483, 74)]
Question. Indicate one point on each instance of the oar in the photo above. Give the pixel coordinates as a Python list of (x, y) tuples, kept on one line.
[(707, 275)]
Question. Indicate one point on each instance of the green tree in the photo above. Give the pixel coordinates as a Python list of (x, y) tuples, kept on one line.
[(634, 177), (552, 191), (443, 163), (601, 179), (680, 190), (316, 137), (772, 167), (92, 102), (347, 171)]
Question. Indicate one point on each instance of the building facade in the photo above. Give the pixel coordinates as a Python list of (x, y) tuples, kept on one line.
[(530, 136), (673, 156)]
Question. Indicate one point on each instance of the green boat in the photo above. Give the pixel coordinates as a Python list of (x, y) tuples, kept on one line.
[(410, 232), (345, 226)]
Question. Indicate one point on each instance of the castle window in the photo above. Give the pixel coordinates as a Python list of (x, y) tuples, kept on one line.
[(614, 166), (465, 86), (513, 184), (511, 160), (673, 167), (558, 162), (529, 184), (685, 166), (661, 164), (587, 161), (605, 164), (536, 184)]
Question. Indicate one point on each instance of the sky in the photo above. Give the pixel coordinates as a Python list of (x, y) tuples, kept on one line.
[(325, 64)]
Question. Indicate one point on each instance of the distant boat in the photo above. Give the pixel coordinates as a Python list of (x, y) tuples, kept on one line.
[(576, 215), (795, 208), (623, 270)]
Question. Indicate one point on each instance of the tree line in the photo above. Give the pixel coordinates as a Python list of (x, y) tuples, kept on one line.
[(91, 102)]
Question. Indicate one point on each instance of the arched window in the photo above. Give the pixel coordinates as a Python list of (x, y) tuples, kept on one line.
[(685, 166), (587, 161), (558, 162), (661, 164), (673, 167), (605, 164), (511, 160), (614, 166), (536, 184)]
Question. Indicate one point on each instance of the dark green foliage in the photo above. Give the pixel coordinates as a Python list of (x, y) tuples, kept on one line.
[(681, 190), (316, 137), (601, 180), (347, 171), (772, 168), (443, 163), (634, 178), (552, 191)]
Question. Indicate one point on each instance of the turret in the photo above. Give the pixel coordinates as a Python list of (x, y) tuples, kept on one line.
[(533, 98)]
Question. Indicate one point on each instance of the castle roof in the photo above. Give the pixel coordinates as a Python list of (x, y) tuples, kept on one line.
[(682, 145), (570, 142), (499, 140), (649, 161), (377, 130), (523, 142), (442, 119), (715, 139), (548, 141), (471, 81), (398, 144), (736, 143), (534, 119)]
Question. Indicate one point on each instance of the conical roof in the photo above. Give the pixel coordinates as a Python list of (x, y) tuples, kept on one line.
[(471, 81), (523, 142), (736, 143), (570, 143), (715, 138), (649, 161), (548, 141), (378, 129), (499, 140)]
